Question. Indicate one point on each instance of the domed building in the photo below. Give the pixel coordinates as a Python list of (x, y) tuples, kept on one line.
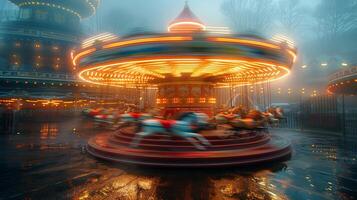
[(35, 61)]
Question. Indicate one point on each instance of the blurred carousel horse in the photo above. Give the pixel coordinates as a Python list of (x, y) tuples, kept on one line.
[(270, 119), (255, 120), (184, 128), (225, 118), (277, 113), (92, 112), (234, 113)]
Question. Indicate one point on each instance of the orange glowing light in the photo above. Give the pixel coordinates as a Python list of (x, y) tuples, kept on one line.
[(212, 100), (147, 40), (81, 54), (175, 100), (202, 100), (164, 101), (190, 100), (149, 70), (186, 26), (293, 55), (141, 71), (244, 42)]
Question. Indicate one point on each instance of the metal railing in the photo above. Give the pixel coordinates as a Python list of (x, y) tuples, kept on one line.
[(324, 113), (37, 75)]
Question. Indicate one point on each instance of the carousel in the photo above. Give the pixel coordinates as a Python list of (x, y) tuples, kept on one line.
[(343, 81), (186, 65)]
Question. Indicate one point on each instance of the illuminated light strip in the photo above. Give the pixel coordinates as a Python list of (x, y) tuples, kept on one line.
[(147, 40), (186, 23), (242, 41), (160, 60), (101, 36), (81, 54), (262, 64), (282, 38), (130, 63), (217, 27), (72, 54), (266, 81), (31, 3), (218, 30), (104, 39), (293, 55), (93, 37), (91, 5)]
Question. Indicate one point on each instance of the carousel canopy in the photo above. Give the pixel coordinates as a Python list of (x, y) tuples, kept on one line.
[(344, 81), (149, 60)]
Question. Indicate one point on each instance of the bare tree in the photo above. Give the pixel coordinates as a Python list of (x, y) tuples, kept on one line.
[(334, 17), (290, 16), (249, 15), (8, 11)]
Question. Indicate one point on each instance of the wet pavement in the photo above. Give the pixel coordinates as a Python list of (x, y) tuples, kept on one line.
[(47, 160)]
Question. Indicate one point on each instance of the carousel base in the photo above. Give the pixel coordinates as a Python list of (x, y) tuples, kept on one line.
[(245, 148)]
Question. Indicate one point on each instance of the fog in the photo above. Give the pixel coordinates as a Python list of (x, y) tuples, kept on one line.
[(323, 31)]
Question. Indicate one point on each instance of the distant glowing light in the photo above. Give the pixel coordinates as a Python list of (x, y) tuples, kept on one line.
[(304, 66), (344, 64), (324, 64)]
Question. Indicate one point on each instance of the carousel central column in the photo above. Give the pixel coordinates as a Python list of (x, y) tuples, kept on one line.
[(177, 95)]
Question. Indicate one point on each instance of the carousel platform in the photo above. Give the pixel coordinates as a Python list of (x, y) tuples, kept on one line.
[(227, 149)]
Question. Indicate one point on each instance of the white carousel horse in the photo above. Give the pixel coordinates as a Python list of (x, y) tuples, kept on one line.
[(181, 128)]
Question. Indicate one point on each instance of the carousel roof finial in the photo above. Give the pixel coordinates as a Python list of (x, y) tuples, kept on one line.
[(186, 22)]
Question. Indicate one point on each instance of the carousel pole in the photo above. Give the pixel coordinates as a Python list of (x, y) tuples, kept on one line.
[(343, 116), (269, 92), (230, 95), (264, 85)]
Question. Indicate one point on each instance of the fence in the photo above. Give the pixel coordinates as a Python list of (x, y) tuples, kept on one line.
[(323, 113), (9, 119)]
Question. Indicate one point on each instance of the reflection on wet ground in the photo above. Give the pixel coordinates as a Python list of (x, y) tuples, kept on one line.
[(48, 161)]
